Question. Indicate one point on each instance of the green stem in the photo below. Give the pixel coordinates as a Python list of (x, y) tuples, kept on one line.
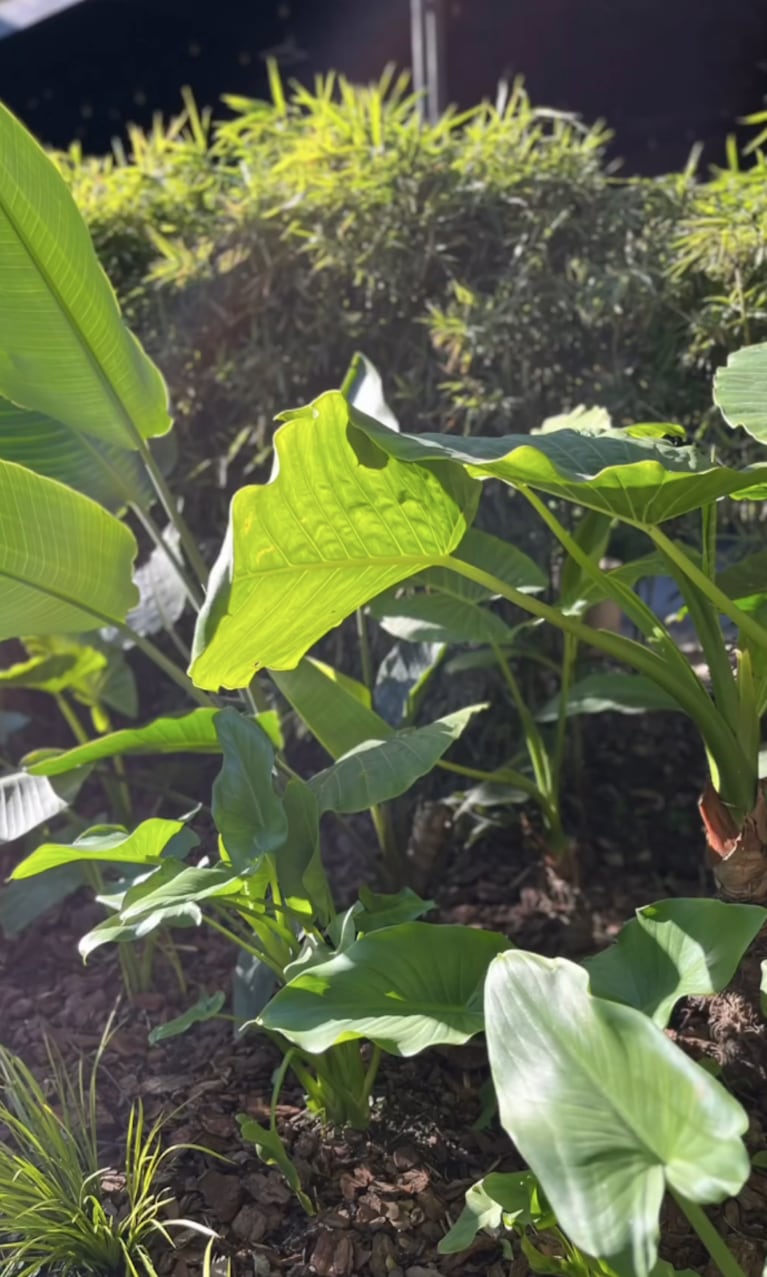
[(161, 660), (744, 621), (569, 656), (713, 1242), (71, 719), (536, 749), (691, 697), (243, 944), (165, 497)]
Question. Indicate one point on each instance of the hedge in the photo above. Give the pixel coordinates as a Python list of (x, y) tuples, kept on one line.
[(494, 266)]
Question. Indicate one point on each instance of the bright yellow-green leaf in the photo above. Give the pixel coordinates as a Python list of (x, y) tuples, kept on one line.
[(339, 522), (65, 564), (64, 349)]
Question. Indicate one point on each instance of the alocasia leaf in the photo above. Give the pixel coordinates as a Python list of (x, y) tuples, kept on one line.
[(339, 522), (406, 987), (675, 949), (643, 481), (605, 1110)]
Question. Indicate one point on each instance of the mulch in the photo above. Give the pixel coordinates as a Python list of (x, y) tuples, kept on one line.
[(385, 1197)]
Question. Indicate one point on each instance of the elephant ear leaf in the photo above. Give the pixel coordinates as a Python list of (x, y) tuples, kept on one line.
[(606, 1111), (65, 563), (64, 349), (340, 521)]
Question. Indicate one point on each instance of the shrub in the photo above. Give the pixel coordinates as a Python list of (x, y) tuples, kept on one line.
[(491, 263)]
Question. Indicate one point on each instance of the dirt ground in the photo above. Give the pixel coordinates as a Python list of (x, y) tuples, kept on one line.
[(385, 1198)]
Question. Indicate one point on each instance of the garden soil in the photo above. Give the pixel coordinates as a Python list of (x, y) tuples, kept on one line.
[(385, 1198)]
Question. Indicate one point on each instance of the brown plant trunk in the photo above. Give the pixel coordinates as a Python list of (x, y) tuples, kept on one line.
[(737, 854)]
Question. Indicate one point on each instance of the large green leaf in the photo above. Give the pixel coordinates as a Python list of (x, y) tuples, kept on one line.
[(249, 814), (339, 522), (617, 693), (740, 390), (406, 987), (101, 470), (378, 770), (111, 844), (643, 481), (192, 733), (605, 1109), (675, 949), (333, 712), (64, 349), (65, 564)]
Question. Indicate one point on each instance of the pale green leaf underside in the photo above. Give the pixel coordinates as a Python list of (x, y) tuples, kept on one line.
[(378, 770), (603, 693), (740, 390), (339, 522), (638, 480), (407, 988), (65, 564), (193, 733), (142, 846), (605, 1109), (64, 349)]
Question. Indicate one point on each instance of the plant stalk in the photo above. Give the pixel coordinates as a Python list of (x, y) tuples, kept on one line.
[(713, 1242)]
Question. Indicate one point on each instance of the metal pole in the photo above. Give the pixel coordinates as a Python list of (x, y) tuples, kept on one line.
[(427, 27)]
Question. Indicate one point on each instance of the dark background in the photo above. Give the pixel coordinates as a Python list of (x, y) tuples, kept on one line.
[(664, 73)]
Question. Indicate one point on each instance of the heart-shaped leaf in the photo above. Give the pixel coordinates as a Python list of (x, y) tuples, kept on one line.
[(339, 522), (379, 770), (605, 1109), (28, 801), (406, 987), (642, 481), (675, 949), (65, 564), (192, 733), (64, 349)]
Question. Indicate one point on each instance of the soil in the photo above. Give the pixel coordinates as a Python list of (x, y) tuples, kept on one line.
[(385, 1198)]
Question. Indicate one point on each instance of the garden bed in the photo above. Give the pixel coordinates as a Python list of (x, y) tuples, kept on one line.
[(385, 1198)]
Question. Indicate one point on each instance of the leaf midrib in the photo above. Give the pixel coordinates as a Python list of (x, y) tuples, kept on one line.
[(69, 318)]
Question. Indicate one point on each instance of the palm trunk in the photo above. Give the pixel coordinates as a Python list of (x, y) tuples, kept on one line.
[(737, 853)]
